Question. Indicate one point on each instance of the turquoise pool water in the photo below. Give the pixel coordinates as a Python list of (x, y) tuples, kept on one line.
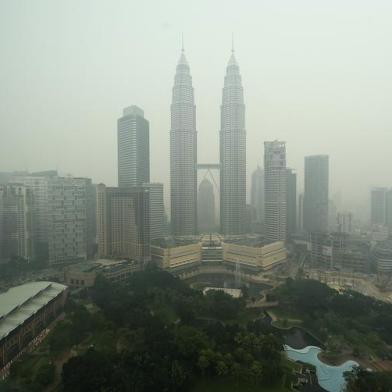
[(329, 377)]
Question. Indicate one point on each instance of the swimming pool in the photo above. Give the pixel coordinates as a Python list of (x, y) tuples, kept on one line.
[(329, 377)]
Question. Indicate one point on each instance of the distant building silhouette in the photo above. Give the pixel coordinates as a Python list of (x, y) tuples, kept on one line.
[(291, 202), (206, 207), (300, 215), (257, 200), (316, 193), (378, 208)]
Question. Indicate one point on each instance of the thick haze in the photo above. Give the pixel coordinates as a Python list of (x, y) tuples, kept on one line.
[(316, 74)]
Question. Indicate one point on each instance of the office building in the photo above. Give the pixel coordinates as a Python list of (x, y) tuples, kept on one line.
[(16, 224), (84, 274), (345, 222), (176, 253), (63, 216), (183, 153), (300, 216), (254, 255), (157, 210), (316, 193), (133, 148), (232, 152), (67, 219), (291, 202), (123, 223), (38, 184), (275, 191), (388, 210), (257, 199)]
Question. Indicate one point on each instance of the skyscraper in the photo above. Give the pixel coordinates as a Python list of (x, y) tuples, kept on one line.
[(232, 152), (316, 193), (38, 183), (206, 207), (157, 210), (67, 219), (300, 216), (62, 214), (388, 218), (257, 199), (275, 185), (378, 208), (133, 148), (16, 222), (291, 202), (183, 153), (123, 222)]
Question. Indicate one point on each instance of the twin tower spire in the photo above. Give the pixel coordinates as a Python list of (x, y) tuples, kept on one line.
[(183, 152)]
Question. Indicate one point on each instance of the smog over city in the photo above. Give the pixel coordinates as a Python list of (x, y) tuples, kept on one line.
[(195, 195)]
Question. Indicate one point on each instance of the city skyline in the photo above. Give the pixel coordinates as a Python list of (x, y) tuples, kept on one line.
[(314, 105)]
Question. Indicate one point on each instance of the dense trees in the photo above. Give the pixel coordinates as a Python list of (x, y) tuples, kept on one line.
[(360, 380), (349, 319), (165, 335), (17, 266)]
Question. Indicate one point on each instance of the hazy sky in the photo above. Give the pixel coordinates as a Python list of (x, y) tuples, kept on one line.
[(316, 74)]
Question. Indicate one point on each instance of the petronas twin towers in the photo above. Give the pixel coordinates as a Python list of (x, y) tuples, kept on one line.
[(183, 153)]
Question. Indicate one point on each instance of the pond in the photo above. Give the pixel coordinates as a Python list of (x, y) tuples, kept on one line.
[(329, 377), (227, 281), (298, 338)]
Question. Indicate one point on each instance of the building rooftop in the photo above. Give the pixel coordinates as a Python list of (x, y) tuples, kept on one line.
[(89, 266), (21, 302), (255, 242), (174, 242)]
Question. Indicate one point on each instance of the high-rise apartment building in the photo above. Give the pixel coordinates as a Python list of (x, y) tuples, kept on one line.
[(133, 147), (67, 222), (316, 193), (63, 216), (157, 210), (206, 207), (16, 225), (123, 222), (183, 153), (291, 202), (257, 198), (275, 191), (38, 184), (232, 152)]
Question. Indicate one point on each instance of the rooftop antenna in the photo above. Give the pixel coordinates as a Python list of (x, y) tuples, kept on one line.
[(182, 43), (232, 42)]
